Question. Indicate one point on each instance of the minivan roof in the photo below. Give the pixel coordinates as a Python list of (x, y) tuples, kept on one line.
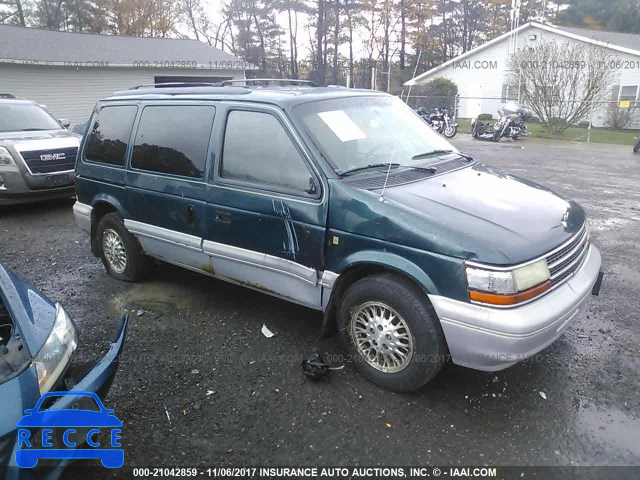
[(278, 95)]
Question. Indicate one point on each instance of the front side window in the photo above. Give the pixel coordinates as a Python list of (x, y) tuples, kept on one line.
[(25, 117), (109, 136), (354, 133), (257, 149), (173, 139)]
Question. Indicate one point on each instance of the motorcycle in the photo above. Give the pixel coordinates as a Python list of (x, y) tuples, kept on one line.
[(439, 121), (636, 146), (511, 124), (481, 130)]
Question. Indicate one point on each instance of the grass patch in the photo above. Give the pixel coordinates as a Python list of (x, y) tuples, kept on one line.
[(577, 134)]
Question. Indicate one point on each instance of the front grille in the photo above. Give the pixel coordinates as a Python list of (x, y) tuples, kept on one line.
[(50, 160), (564, 262)]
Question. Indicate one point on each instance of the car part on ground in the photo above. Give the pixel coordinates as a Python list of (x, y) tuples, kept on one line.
[(38, 341)]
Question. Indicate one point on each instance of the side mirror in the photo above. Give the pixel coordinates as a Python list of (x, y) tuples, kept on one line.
[(313, 188), (64, 122)]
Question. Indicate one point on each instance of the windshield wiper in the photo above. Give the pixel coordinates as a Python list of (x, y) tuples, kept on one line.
[(422, 169), (429, 154), (367, 167)]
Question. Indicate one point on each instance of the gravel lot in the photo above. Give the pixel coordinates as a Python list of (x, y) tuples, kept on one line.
[(200, 385)]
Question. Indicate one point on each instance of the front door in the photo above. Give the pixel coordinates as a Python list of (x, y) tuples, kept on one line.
[(166, 186), (266, 207)]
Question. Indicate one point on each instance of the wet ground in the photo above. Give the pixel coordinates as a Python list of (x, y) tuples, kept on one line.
[(200, 385)]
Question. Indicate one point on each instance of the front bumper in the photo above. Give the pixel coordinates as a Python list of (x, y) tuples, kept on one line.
[(96, 378), (486, 338), (14, 188)]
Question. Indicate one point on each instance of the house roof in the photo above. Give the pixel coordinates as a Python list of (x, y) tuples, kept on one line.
[(628, 40), (622, 42), (67, 48)]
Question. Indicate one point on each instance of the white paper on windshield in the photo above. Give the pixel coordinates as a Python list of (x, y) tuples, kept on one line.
[(341, 125)]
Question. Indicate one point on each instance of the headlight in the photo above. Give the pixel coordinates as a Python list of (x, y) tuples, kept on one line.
[(507, 287), (5, 157), (55, 355)]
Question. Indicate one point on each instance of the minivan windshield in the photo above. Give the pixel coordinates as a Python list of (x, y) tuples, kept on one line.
[(24, 117), (361, 134)]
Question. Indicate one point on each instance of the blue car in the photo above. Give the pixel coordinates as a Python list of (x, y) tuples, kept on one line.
[(37, 343)]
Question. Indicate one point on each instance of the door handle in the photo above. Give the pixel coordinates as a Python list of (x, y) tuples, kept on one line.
[(224, 217), (191, 217)]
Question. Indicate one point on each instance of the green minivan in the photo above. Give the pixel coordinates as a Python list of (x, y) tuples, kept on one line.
[(344, 201)]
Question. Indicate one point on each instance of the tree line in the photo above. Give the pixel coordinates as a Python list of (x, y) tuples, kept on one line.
[(329, 41)]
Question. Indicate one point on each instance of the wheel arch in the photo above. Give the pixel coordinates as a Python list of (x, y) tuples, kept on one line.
[(102, 206), (367, 264)]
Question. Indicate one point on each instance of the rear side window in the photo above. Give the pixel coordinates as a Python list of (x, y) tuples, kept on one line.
[(173, 139), (109, 136), (257, 149)]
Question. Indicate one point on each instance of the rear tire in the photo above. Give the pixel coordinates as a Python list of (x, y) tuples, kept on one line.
[(120, 252), (392, 333), (636, 147)]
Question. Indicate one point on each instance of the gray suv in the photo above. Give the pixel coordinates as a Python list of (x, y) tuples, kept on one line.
[(37, 153)]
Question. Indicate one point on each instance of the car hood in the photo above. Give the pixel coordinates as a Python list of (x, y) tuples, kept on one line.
[(9, 138), (32, 313), (473, 213)]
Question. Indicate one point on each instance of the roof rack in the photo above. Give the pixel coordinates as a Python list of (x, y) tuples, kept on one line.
[(283, 81), (175, 84), (7, 95)]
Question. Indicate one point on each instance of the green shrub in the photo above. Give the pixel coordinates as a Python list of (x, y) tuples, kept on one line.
[(533, 119), (437, 93), (485, 116)]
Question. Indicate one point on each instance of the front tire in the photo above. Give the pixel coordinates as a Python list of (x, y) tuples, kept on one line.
[(636, 147), (120, 252), (450, 132), (392, 332)]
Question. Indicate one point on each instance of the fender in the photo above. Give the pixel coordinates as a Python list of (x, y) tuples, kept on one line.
[(390, 261), (113, 202), (374, 258)]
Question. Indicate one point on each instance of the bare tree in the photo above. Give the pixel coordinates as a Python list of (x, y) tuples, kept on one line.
[(15, 13), (560, 91)]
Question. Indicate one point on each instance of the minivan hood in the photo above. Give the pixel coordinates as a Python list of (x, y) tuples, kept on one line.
[(475, 213), (15, 137)]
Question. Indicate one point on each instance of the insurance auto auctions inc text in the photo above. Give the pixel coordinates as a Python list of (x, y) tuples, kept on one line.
[(350, 472)]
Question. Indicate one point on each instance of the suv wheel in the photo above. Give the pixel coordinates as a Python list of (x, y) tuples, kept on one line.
[(392, 332), (120, 251)]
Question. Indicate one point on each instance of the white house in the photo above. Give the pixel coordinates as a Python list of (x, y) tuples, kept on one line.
[(70, 72), (480, 73)]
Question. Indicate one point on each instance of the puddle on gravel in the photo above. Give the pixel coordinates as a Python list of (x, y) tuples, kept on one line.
[(612, 428), (157, 297)]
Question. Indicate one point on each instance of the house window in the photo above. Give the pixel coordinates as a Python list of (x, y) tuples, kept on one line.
[(509, 93), (628, 93), (551, 91)]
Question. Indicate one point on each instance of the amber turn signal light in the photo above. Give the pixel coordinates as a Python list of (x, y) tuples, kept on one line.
[(513, 299)]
